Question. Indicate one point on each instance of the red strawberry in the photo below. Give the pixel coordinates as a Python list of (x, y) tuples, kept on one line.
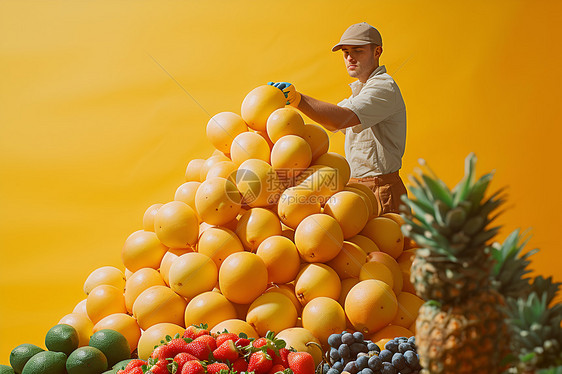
[(136, 370), (216, 367), (161, 367), (301, 362), (242, 342), (209, 340), (276, 368), (260, 342), (182, 358), (226, 352), (221, 338), (193, 332), (199, 349), (169, 350), (259, 363), (193, 367), (281, 359), (135, 363), (240, 365)]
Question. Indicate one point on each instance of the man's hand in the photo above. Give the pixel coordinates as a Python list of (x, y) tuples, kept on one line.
[(293, 97)]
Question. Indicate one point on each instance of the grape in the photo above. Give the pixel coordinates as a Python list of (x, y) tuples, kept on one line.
[(333, 371), (338, 366), (358, 347), (406, 370), (367, 371), (411, 358), (375, 363), (347, 338), (351, 367), (404, 347), (387, 368), (334, 340), (398, 361), (325, 368), (391, 346), (361, 362), (344, 351), (386, 355), (372, 347), (335, 354), (358, 336), (412, 340)]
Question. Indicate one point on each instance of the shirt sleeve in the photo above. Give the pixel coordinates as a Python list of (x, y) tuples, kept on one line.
[(372, 105)]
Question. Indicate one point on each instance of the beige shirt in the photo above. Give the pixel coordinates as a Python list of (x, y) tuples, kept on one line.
[(376, 145)]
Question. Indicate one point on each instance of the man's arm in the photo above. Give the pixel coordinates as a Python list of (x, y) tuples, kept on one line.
[(329, 115)]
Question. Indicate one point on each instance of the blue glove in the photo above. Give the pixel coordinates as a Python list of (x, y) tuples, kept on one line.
[(293, 97)]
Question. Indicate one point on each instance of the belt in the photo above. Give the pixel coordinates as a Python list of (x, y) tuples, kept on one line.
[(379, 179)]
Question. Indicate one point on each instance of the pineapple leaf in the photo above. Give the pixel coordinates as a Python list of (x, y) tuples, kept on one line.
[(438, 190), (461, 190)]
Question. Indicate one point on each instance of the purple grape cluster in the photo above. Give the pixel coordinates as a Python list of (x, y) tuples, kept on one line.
[(350, 353)]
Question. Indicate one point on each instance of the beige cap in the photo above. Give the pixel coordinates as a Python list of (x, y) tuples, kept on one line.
[(359, 34)]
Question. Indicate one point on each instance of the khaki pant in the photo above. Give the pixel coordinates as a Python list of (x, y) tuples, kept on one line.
[(387, 188)]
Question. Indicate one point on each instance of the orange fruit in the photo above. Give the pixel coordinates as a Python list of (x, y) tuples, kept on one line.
[(284, 121), (319, 238), (176, 224), (349, 210), (281, 258), (249, 145), (386, 234), (222, 128), (217, 201), (142, 249), (148, 217), (259, 104)]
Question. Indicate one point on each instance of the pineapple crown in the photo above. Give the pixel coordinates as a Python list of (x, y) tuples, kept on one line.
[(451, 223)]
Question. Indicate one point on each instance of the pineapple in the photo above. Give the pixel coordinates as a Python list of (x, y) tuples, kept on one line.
[(536, 340), (462, 330)]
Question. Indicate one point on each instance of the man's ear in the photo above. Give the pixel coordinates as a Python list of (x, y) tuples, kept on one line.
[(378, 50)]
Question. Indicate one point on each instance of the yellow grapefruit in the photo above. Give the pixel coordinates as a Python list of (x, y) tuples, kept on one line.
[(193, 170), (378, 271), (386, 234), (290, 155), (158, 304), (186, 193), (80, 308), (148, 217), (243, 277), (338, 162), (258, 183), (217, 201), (349, 210), (324, 181), (168, 260), (176, 225), (302, 340), (193, 273), (323, 316), (235, 326), (318, 238), (222, 128), (218, 243), (316, 280), (349, 261), (281, 258), (249, 145), (209, 163), (152, 337), (259, 104), (395, 217), (284, 121), (105, 275), (142, 249), (408, 308), (392, 265), (210, 308), (223, 169), (346, 285), (123, 323), (288, 290), (138, 282), (366, 244), (256, 225), (370, 196), (296, 204), (271, 311), (103, 301), (317, 139), (390, 332)]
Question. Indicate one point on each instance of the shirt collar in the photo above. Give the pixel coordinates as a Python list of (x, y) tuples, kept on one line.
[(356, 86)]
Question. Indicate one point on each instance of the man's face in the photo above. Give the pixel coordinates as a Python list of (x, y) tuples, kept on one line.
[(361, 60)]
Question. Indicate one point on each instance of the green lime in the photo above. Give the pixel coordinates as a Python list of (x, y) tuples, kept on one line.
[(46, 362), (62, 338), (6, 369), (86, 360), (21, 354), (113, 345), (121, 364)]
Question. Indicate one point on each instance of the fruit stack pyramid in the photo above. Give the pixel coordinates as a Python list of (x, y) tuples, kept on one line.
[(266, 234), (482, 315)]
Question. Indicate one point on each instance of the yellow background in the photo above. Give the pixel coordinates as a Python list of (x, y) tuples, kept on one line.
[(94, 131)]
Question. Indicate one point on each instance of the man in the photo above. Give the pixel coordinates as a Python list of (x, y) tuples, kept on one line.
[(373, 118)]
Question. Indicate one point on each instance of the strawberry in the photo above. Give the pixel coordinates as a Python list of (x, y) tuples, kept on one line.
[(209, 340), (281, 359), (199, 349), (260, 363), (182, 358), (276, 368), (240, 365), (135, 370), (226, 352), (161, 367), (301, 362), (242, 342), (221, 338), (261, 342), (193, 367), (216, 367), (135, 363), (193, 331), (170, 350)]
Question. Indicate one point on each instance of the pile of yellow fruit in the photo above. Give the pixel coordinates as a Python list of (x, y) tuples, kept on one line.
[(265, 234)]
